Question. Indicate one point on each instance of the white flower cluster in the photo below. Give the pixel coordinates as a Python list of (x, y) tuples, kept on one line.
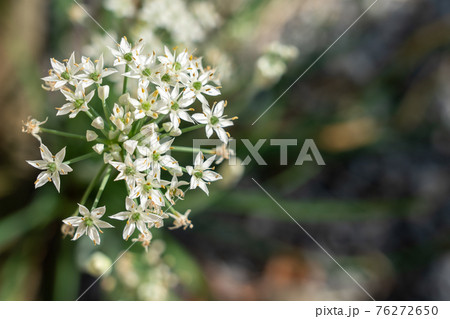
[(137, 133)]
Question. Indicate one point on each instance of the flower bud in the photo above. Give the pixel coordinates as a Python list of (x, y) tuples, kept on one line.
[(130, 146), (91, 135), (167, 126), (149, 129), (107, 157), (98, 123), (98, 148), (103, 92), (175, 132), (123, 99)]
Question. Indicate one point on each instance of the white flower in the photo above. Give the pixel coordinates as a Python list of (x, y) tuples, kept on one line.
[(181, 220), (94, 73), (98, 123), (175, 65), (32, 126), (176, 104), (121, 120), (137, 217), (148, 191), (127, 170), (197, 85), (125, 53), (62, 74), (214, 120), (146, 105), (174, 190), (53, 166), (201, 173), (88, 223), (145, 69), (78, 101), (153, 157)]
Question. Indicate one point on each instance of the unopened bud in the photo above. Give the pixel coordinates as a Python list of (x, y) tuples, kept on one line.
[(98, 148), (98, 123), (103, 92), (91, 135)]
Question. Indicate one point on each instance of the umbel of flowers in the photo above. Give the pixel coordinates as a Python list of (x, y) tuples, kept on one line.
[(135, 135)]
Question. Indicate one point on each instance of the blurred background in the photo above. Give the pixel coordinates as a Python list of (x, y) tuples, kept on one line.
[(377, 105)]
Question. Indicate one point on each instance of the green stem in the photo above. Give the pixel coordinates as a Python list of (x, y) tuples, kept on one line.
[(102, 187), (191, 149), (80, 158), (187, 129), (170, 207), (55, 132), (125, 80), (90, 187)]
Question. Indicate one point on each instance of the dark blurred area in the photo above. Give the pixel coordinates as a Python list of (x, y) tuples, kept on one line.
[(377, 104)]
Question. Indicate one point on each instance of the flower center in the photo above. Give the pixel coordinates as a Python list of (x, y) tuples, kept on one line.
[(165, 78), (147, 187), (130, 170), (51, 167), (146, 106), (136, 216), (65, 75), (94, 76), (175, 106), (177, 66), (78, 103), (128, 56), (156, 156), (197, 85), (88, 221), (214, 120), (198, 174), (147, 72)]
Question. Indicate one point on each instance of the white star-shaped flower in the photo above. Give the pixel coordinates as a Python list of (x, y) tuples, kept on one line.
[(177, 66), (94, 73), (176, 104), (201, 173), (125, 53), (77, 101), (148, 191), (154, 158), (127, 171), (197, 85), (144, 69), (146, 104), (88, 223), (53, 166), (137, 217), (214, 120), (62, 74)]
